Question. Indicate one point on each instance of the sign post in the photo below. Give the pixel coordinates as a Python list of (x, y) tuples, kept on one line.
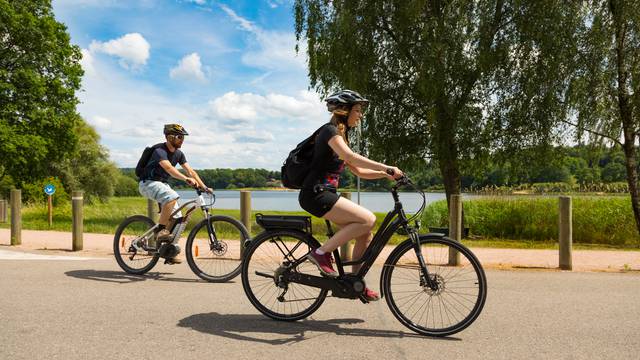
[(49, 189)]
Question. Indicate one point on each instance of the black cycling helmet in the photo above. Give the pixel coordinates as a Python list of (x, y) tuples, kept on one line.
[(174, 129), (344, 98)]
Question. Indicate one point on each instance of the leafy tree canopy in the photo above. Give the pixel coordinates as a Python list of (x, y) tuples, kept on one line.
[(39, 74)]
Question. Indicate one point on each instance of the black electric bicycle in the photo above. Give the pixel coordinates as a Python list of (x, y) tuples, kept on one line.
[(433, 285), (213, 247)]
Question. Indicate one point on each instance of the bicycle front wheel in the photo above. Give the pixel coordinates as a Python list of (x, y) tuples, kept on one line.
[(216, 258), (451, 307), (268, 256), (133, 245)]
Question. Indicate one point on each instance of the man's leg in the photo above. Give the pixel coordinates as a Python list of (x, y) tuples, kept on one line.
[(166, 211)]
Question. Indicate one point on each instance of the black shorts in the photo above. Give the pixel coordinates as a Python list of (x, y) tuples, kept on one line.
[(319, 201)]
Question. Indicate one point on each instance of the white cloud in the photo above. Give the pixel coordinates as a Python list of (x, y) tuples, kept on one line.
[(132, 49), (271, 50), (199, 2), (100, 122), (87, 62), (250, 107), (189, 68), (244, 23), (254, 136)]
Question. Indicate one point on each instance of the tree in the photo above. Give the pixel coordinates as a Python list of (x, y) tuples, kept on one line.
[(606, 90), (88, 167), (39, 74), (453, 81)]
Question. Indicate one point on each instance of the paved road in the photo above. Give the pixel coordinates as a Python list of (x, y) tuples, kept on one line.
[(89, 309)]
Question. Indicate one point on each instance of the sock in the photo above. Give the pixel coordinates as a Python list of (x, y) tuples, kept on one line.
[(160, 227), (319, 252)]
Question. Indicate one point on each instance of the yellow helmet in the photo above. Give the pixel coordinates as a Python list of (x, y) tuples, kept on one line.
[(174, 129)]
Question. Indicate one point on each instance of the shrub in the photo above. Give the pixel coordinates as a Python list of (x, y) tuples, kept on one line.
[(596, 220)]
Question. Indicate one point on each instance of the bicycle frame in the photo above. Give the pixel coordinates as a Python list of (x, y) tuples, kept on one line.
[(394, 220), (198, 202), (182, 221)]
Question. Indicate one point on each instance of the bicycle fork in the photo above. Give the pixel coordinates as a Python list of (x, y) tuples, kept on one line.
[(425, 279), (215, 245)]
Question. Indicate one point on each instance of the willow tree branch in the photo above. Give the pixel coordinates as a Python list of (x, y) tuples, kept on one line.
[(582, 128)]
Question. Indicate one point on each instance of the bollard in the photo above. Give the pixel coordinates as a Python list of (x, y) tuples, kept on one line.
[(566, 233), (455, 226), (16, 217), (77, 228), (3, 211), (152, 212), (245, 214), (347, 248)]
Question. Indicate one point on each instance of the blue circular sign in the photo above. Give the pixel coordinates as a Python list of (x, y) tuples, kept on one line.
[(49, 189)]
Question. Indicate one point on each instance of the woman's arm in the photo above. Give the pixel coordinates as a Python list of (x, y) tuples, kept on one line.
[(367, 174), (338, 145)]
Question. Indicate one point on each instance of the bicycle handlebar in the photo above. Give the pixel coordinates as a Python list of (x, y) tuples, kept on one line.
[(200, 190), (404, 181)]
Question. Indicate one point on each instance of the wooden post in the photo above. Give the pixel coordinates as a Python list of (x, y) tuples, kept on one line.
[(16, 217), (566, 233), (77, 200), (152, 210), (245, 214), (455, 226), (346, 249), (3, 210)]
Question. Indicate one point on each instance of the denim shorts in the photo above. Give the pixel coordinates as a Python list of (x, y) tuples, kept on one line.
[(157, 191)]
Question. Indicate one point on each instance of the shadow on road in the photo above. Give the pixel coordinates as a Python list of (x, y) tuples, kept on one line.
[(122, 277), (257, 328)]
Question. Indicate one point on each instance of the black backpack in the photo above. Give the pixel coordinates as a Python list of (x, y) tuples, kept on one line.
[(298, 163), (144, 160)]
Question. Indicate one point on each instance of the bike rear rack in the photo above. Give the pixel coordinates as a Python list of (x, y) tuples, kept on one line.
[(293, 222)]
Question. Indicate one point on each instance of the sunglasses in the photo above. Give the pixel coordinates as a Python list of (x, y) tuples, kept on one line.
[(178, 137)]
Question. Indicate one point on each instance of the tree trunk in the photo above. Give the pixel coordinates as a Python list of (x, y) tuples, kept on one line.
[(447, 153), (632, 179), (625, 108)]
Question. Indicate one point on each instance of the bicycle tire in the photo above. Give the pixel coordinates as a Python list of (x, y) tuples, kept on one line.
[(119, 244), (219, 272), (255, 285), (449, 286)]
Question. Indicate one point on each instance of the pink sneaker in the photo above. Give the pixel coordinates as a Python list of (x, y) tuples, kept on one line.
[(370, 295), (323, 262)]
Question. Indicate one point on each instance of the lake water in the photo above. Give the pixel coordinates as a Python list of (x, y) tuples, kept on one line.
[(288, 200)]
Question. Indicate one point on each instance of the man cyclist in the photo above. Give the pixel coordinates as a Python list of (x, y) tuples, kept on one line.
[(153, 182)]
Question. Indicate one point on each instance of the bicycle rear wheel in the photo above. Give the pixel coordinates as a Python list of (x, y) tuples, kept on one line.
[(268, 254), (458, 299), (216, 260), (129, 245)]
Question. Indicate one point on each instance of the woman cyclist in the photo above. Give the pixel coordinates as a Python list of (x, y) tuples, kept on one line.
[(318, 195)]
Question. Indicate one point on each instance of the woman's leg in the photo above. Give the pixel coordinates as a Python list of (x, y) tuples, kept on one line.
[(356, 223), (362, 242)]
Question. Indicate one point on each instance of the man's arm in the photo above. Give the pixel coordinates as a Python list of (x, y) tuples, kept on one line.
[(166, 165), (194, 175)]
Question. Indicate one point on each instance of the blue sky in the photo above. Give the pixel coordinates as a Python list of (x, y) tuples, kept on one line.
[(226, 70)]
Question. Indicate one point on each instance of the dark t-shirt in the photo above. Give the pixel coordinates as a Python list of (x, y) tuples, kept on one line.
[(154, 171), (327, 166)]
